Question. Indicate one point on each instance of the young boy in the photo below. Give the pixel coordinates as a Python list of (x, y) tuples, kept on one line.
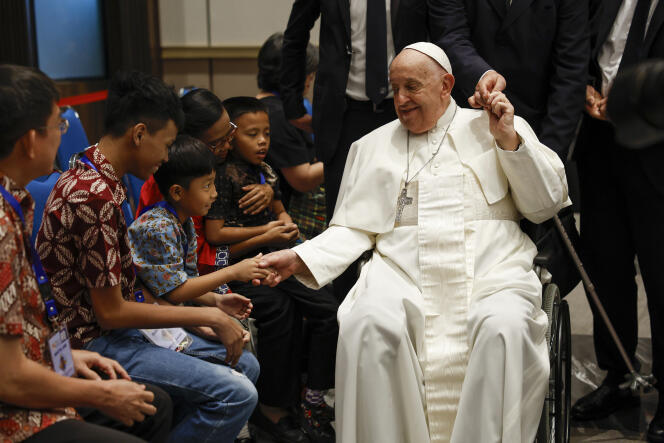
[(163, 239), (278, 311), (84, 246), (36, 395)]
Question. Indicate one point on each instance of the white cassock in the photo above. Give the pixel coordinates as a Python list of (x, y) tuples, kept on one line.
[(442, 338)]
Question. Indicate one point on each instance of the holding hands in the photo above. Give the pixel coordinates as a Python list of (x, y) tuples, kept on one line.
[(249, 270), (489, 95), (491, 81)]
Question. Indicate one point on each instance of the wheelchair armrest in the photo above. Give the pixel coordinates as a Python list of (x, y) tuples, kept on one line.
[(542, 259)]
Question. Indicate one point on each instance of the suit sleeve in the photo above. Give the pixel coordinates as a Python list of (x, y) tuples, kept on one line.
[(569, 63), (448, 21), (293, 55)]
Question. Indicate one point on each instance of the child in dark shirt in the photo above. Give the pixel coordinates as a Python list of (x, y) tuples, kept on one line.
[(279, 310)]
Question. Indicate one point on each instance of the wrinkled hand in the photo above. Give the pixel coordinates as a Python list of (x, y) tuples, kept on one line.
[(235, 305), (126, 401), (85, 361), (249, 269), (232, 336), (304, 123), (283, 264), (256, 199), (595, 103), (490, 82), (501, 121)]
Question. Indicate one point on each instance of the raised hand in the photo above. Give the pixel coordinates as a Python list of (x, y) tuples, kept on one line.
[(501, 121), (490, 82)]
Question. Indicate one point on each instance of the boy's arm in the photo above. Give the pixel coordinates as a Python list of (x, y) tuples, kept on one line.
[(218, 234), (279, 210), (114, 312), (26, 383)]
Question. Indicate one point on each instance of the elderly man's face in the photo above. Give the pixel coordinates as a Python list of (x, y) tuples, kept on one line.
[(421, 90)]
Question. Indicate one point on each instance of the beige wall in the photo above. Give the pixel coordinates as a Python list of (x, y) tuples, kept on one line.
[(213, 43)]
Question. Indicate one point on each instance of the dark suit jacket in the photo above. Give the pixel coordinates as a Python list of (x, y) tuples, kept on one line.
[(604, 13), (409, 25), (541, 47)]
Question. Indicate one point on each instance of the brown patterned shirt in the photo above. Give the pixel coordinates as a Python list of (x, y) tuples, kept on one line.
[(83, 243), (22, 312)]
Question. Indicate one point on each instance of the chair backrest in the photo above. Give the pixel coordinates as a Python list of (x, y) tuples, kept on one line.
[(40, 189), (73, 141)]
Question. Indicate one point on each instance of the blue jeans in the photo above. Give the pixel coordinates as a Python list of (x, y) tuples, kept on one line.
[(211, 400)]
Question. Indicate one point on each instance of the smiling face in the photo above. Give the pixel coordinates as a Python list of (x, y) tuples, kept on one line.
[(197, 199), (421, 90), (152, 149), (252, 138)]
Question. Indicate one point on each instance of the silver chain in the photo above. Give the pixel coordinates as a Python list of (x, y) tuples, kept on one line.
[(432, 156)]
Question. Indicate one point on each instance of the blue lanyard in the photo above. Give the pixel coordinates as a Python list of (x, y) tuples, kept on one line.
[(129, 218), (37, 268), (166, 205), (262, 179)]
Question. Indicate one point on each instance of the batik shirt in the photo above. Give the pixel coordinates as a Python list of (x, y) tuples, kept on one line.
[(22, 312), (159, 244), (83, 243)]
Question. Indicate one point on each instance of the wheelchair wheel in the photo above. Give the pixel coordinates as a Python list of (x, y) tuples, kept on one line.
[(554, 425)]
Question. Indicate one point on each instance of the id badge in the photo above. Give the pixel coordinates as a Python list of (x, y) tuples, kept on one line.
[(60, 349), (175, 339)]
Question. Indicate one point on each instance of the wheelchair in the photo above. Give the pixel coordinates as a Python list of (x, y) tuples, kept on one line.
[(554, 424)]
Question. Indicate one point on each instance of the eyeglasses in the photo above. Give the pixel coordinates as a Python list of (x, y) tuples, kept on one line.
[(63, 126), (215, 144)]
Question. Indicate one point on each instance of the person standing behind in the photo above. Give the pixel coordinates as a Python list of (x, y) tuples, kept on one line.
[(352, 97), (37, 396), (622, 207), (536, 51)]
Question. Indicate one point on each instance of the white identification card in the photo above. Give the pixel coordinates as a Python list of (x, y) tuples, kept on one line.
[(60, 349), (175, 339)]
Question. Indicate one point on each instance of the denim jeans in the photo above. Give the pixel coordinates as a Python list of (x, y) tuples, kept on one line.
[(211, 400)]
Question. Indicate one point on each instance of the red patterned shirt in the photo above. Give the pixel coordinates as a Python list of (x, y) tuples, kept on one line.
[(22, 312), (83, 243)]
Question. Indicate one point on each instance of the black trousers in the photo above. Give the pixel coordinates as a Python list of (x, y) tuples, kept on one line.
[(622, 215), (99, 428), (279, 314), (359, 119)]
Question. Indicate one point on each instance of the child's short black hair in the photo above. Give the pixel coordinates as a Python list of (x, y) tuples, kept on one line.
[(269, 62), (27, 96), (202, 109), (237, 106), (135, 97), (188, 159)]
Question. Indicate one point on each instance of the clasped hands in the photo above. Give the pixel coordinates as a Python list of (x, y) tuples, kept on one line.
[(489, 96)]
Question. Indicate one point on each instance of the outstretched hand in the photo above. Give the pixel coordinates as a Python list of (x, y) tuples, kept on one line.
[(235, 305), (490, 82), (282, 265)]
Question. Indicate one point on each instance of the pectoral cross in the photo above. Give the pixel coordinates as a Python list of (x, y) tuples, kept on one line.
[(402, 201)]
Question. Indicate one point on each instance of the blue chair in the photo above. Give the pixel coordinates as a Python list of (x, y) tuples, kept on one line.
[(73, 141), (40, 189)]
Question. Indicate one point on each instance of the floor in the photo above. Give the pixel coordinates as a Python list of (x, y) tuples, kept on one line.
[(626, 426)]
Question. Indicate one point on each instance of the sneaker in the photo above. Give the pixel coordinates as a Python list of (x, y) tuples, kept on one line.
[(317, 422)]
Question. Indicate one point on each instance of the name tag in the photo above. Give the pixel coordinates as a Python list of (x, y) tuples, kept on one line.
[(60, 349), (175, 339)]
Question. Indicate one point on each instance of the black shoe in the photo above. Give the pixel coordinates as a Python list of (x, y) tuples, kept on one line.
[(656, 427), (316, 422), (603, 401), (286, 430)]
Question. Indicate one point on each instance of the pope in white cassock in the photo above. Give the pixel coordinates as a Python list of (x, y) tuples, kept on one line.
[(442, 338)]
